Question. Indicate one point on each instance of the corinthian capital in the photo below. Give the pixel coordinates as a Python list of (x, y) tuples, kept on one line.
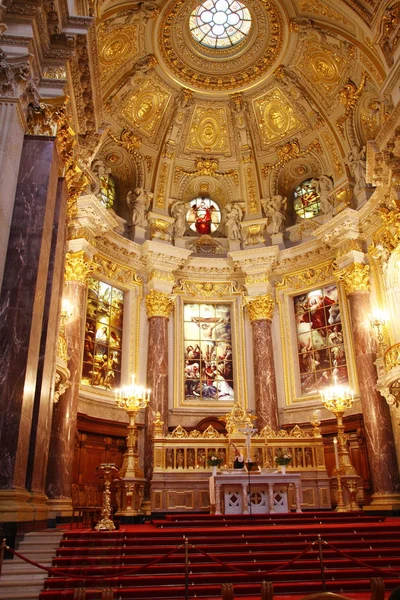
[(159, 304), (78, 266), (261, 308), (355, 278)]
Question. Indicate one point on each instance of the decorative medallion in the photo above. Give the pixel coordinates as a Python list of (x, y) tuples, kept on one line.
[(208, 131), (145, 108), (116, 47), (213, 66), (322, 66), (276, 117)]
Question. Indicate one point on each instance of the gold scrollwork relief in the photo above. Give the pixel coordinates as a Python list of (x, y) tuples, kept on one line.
[(159, 304), (146, 107), (308, 277), (261, 308), (208, 131), (116, 47), (392, 357), (206, 289)]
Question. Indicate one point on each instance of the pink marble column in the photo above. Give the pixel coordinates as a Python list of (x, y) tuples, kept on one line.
[(158, 305), (22, 303), (377, 421), (260, 311), (63, 430)]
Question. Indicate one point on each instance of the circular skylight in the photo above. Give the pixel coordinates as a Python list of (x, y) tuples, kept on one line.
[(220, 23)]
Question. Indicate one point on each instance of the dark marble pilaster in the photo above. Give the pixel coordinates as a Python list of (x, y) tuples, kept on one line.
[(43, 410), (260, 311), (377, 421), (22, 303), (63, 429), (264, 375), (158, 305)]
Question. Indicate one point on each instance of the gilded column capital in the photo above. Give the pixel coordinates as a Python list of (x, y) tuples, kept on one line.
[(158, 304), (261, 307), (355, 278), (77, 267)]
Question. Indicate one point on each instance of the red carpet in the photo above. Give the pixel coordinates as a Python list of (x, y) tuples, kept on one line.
[(148, 561)]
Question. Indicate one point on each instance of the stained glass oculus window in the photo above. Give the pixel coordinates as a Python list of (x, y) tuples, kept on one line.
[(103, 336), (208, 362), (204, 216), (306, 200), (320, 345), (220, 23)]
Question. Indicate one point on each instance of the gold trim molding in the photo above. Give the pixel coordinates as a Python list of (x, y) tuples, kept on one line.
[(392, 357), (159, 304), (261, 308), (206, 289), (355, 278)]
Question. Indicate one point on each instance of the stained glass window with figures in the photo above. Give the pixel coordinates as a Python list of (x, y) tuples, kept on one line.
[(208, 357), (103, 336), (107, 191), (321, 351), (306, 201)]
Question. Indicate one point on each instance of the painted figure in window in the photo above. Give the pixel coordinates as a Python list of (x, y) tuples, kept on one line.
[(203, 218)]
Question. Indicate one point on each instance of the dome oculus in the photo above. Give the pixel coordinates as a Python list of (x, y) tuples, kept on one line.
[(220, 23)]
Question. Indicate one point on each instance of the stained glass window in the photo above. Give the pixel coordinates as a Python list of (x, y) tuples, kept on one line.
[(306, 200), (103, 336), (220, 23), (320, 345), (107, 191), (204, 216), (208, 358)]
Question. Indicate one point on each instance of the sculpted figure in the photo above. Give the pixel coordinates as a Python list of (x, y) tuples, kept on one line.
[(138, 203), (275, 209), (358, 166), (100, 170), (178, 211), (323, 186), (234, 216)]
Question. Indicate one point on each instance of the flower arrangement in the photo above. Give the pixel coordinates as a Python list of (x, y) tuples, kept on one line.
[(283, 459), (214, 461)]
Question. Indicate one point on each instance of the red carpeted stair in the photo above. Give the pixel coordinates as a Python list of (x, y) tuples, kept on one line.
[(143, 561)]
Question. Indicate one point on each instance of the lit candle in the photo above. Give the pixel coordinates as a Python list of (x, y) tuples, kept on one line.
[(336, 453)]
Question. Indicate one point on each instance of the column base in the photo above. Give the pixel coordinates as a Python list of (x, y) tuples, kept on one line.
[(383, 502), (16, 506), (59, 507), (39, 502)]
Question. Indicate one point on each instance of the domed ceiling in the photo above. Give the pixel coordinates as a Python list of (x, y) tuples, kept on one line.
[(239, 101)]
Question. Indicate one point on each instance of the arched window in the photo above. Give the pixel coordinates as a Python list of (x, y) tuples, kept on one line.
[(107, 191), (306, 200), (204, 216), (103, 336)]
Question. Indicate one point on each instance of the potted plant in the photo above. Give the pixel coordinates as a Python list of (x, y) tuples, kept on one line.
[(283, 459), (214, 462)]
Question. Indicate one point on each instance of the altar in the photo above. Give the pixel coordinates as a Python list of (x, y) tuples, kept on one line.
[(234, 492)]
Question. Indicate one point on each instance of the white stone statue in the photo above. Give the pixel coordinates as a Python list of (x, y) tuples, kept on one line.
[(233, 218), (275, 209), (100, 170), (323, 186), (139, 204), (358, 166), (178, 211)]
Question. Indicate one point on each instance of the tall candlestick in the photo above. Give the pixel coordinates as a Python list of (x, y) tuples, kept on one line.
[(335, 442)]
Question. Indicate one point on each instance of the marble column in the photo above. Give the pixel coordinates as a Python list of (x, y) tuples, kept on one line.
[(260, 311), (43, 404), (22, 304), (378, 427), (63, 429), (158, 306)]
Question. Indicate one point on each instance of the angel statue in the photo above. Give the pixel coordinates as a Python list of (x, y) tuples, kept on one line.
[(358, 166), (233, 218), (138, 202), (323, 186), (275, 209), (178, 211)]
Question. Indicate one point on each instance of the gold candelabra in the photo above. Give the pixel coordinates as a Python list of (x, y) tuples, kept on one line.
[(132, 398), (109, 471), (338, 399)]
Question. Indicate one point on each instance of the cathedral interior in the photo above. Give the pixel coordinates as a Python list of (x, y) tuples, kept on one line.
[(141, 139)]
